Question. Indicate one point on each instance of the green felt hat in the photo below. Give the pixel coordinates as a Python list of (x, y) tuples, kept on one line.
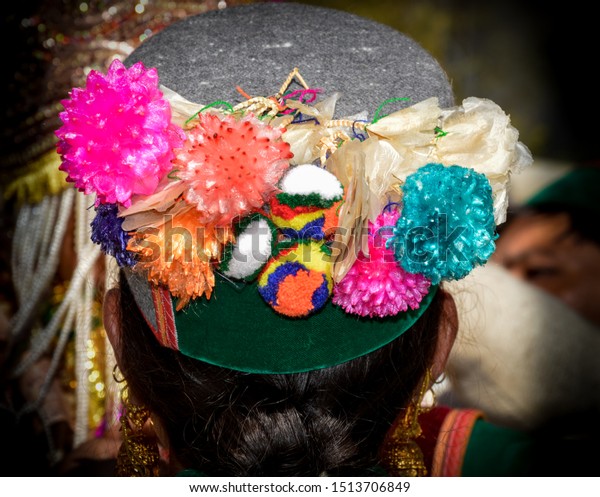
[(237, 330), (204, 58), (294, 237)]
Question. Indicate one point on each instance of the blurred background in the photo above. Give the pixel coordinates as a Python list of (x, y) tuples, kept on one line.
[(530, 58), (535, 60)]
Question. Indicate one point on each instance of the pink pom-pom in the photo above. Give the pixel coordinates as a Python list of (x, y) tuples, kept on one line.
[(232, 166), (376, 285), (117, 138)]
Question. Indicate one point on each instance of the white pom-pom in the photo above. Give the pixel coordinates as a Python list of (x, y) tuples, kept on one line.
[(308, 178), (251, 251)]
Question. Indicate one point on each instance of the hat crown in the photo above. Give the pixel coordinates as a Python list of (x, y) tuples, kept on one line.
[(205, 57)]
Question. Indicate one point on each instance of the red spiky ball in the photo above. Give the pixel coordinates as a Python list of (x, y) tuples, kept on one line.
[(232, 166)]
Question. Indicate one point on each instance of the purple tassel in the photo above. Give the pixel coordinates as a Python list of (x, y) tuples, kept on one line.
[(108, 233)]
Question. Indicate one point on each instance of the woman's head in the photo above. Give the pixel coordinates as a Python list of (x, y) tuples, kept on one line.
[(286, 250), (226, 422)]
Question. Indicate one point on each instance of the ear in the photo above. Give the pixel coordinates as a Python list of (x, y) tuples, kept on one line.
[(448, 328), (111, 313)]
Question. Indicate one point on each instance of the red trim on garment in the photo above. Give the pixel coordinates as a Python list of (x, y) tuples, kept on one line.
[(431, 422), (452, 441), (163, 306)]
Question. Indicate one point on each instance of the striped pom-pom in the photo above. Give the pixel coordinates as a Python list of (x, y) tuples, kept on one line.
[(297, 281), (307, 206)]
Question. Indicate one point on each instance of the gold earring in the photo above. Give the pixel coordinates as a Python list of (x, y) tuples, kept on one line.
[(115, 374), (400, 453), (138, 454)]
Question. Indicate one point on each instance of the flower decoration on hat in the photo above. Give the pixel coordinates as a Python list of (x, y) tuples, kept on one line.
[(366, 216), (376, 284), (448, 224), (231, 166), (117, 138), (188, 250)]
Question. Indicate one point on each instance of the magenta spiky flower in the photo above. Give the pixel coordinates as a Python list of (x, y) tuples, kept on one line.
[(376, 285), (117, 138)]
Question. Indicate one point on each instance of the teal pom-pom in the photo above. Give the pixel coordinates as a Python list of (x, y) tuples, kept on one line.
[(447, 224)]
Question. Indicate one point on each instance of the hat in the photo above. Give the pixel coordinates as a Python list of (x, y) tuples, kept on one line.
[(306, 222)]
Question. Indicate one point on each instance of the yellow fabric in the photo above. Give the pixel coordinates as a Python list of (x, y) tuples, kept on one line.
[(41, 179)]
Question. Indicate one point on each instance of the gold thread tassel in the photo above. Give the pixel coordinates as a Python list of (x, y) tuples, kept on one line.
[(138, 454), (400, 453)]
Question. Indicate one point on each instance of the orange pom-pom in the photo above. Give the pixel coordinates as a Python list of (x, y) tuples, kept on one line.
[(180, 254)]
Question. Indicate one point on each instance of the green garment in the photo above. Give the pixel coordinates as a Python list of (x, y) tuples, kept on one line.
[(497, 451)]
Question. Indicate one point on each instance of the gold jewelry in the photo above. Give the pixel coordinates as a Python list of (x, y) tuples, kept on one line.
[(115, 373), (400, 454), (138, 454)]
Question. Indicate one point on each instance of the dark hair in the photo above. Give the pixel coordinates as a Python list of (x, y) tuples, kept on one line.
[(228, 423)]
